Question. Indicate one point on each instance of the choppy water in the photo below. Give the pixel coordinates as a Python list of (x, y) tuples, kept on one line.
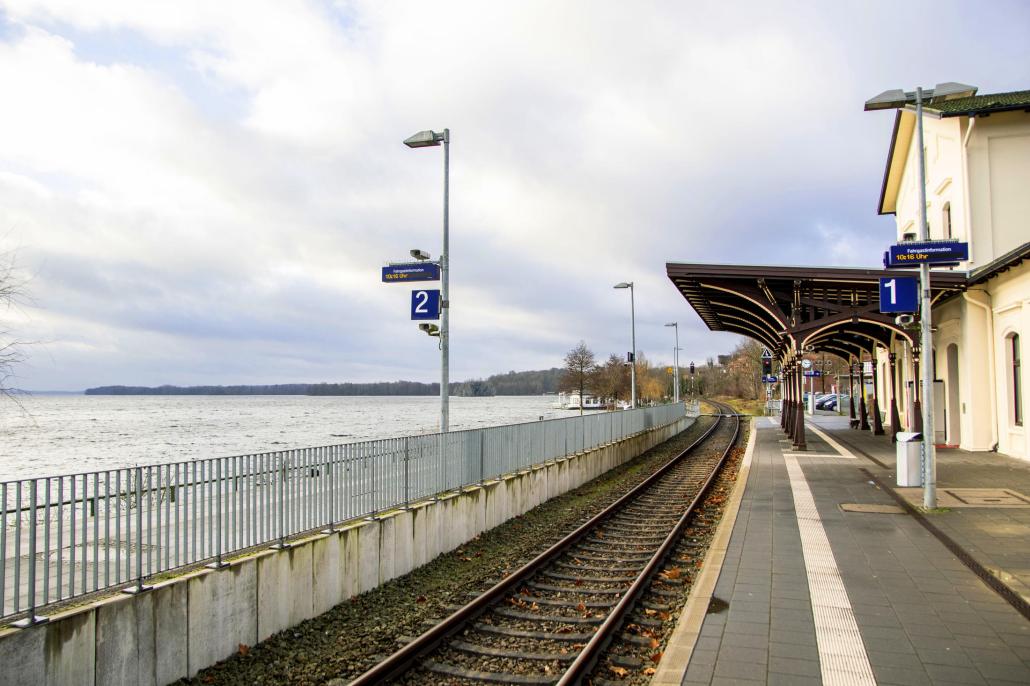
[(64, 434)]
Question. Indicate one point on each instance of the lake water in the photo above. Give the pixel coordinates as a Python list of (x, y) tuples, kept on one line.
[(55, 434)]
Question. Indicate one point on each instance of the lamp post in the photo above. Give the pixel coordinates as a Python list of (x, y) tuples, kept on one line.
[(676, 360), (633, 343), (426, 139), (899, 99)]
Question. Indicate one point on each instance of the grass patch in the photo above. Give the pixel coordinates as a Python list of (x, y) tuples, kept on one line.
[(748, 407)]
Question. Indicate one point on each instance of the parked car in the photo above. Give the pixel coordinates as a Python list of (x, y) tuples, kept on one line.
[(831, 401)]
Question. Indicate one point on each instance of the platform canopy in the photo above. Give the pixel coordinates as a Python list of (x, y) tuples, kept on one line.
[(801, 309)]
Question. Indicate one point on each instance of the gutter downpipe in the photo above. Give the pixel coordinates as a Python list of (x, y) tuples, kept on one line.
[(988, 312), (965, 190)]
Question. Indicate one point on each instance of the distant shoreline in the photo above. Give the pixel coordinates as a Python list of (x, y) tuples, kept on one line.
[(510, 384)]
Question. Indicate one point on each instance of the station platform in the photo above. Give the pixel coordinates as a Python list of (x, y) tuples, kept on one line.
[(822, 574)]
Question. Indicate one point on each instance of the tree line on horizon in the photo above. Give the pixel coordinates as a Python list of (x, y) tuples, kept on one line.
[(737, 374), (537, 382)]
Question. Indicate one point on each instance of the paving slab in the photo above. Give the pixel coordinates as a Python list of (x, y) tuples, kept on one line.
[(816, 593)]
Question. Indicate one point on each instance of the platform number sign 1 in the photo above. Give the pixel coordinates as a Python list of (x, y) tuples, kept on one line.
[(425, 304), (899, 294)]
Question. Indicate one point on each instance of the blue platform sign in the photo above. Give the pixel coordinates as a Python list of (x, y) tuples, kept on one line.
[(812, 372), (425, 304), (768, 379), (415, 271), (915, 253), (899, 294)]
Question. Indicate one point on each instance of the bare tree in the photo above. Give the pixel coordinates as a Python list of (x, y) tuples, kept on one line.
[(611, 379), (579, 367), (11, 349)]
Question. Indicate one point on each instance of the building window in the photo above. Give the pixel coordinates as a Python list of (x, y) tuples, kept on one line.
[(946, 220), (1017, 399)]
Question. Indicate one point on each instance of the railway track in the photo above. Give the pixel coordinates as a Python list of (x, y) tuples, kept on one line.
[(550, 621)]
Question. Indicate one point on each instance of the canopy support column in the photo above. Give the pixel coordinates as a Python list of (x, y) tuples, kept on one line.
[(877, 420), (788, 380), (853, 422), (799, 428), (895, 419), (783, 396), (863, 414)]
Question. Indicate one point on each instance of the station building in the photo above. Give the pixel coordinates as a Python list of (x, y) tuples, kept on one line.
[(977, 153)]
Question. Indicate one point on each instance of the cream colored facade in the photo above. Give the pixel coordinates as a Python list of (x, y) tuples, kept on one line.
[(977, 190)]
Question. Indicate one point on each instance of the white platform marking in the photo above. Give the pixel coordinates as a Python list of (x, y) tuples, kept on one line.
[(842, 655), (844, 452)]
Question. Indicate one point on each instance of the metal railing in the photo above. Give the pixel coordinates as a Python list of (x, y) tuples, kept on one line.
[(62, 537)]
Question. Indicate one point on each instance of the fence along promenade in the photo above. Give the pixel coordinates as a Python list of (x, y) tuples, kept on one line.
[(62, 537)]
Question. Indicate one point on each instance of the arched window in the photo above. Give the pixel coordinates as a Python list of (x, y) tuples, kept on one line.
[(1017, 399), (946, 220)]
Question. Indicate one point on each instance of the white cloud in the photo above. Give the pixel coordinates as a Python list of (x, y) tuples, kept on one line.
[(202, 188)]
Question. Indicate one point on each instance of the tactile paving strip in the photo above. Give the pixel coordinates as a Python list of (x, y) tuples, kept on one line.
[(842, 656)]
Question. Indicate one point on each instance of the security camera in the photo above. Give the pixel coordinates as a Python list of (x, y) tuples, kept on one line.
[(431, 329), (905, 320), (420, 255)]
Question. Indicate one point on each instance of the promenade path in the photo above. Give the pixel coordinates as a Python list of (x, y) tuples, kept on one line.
[(823, 578)]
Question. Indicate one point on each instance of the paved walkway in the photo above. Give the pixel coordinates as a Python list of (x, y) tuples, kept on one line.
[(810, 592)]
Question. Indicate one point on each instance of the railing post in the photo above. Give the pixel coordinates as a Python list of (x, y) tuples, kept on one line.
[(407, 493), (482, 462), (31, 618), (218, 563), (139, 587), (281, 545)]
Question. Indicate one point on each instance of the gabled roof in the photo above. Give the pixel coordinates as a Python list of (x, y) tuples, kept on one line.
[(904, 125), (983, 104)]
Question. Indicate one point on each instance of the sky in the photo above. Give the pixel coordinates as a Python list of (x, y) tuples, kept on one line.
[(205, 192)]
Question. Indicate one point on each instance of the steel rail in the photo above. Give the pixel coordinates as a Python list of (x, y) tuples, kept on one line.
[(587, 658), (406, 657)]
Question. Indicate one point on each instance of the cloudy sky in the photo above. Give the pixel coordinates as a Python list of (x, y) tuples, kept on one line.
[(204, 192)]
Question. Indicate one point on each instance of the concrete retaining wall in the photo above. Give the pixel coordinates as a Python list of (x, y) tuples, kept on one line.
[(191, 622)]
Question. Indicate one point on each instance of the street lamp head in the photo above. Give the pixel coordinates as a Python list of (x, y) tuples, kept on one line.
[(673, 324), (897, 98), (424, 139), (624, 285), (888, 100)]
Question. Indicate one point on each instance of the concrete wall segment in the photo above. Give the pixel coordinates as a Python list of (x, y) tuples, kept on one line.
[(69, 649), (170, 615), (326, 573), (22, 656), (222, 607)]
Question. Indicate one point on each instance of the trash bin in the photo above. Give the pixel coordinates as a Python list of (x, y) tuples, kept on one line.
[(910, 452)]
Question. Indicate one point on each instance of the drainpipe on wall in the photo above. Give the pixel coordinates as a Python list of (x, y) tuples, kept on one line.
[(965, 192), (990, 360)]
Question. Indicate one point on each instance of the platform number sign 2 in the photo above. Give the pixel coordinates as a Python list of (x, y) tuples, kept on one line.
[(899, 294), (425, 304)]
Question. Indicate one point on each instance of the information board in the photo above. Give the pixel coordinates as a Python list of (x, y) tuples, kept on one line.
[(416, 271), (914, 253)]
